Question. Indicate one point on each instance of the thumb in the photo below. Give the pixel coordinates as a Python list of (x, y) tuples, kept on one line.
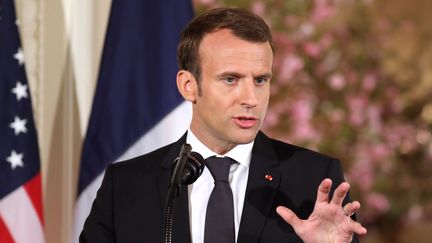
[(289, 216)]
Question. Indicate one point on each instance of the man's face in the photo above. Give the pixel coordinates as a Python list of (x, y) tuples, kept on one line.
[(235, 85)]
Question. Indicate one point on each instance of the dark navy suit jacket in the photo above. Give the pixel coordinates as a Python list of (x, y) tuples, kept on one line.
[(130, 203)]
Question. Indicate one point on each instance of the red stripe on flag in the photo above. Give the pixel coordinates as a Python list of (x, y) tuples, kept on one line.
[(5, 236), (34, 190)]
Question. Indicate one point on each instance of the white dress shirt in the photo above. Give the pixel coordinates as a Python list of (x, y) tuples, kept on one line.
[(199, 192)]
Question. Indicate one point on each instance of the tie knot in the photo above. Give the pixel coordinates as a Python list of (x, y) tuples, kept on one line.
[(219, 167)]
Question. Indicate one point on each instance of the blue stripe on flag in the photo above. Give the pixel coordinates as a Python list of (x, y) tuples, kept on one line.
[(136, 86), (19, 152)]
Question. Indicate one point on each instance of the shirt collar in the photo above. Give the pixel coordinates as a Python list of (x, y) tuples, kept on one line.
[(241, 153)]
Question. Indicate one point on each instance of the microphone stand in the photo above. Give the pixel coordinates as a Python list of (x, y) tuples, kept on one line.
[(174, 191)]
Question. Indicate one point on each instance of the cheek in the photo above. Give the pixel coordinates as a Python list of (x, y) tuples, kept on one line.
[(211, 107), (264, 97)]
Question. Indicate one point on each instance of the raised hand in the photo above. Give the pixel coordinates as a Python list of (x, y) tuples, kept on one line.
[(329, 221)]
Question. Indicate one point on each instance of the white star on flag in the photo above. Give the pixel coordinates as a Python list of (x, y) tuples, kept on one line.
[(15, 159), (21, 204), (19, 56), (19, 125), (20, 90)]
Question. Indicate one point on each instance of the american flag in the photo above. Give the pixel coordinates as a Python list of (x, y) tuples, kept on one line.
[(21, 217)]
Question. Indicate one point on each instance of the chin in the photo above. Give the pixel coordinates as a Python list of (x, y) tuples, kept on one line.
[(244, 138)]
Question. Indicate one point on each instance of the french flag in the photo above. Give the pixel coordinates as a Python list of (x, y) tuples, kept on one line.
[(136, 107)]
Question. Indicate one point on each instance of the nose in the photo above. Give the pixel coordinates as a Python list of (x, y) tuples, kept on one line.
[(248, 94)]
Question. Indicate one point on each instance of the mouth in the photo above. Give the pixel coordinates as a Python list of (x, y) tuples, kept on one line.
[(245, 121)]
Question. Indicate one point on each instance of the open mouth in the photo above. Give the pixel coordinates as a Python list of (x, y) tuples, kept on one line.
[(245, 121), (246, 118)]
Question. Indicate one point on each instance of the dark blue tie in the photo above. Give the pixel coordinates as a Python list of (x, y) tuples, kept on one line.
[(219, 223)]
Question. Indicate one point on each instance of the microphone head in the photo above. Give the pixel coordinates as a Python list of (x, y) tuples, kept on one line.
[(194, 167), (186, 149)]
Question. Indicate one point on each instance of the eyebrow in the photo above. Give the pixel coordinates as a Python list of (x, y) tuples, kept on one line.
[(229, 73), (265, 75), (236, 74)]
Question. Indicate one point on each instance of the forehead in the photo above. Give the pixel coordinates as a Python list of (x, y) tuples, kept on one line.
[(223, 47)]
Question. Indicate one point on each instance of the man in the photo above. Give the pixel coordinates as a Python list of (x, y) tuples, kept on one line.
[(277, 192)]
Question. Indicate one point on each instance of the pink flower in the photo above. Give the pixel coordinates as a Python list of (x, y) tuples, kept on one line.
[(362, 173), (291, 64), (415, 213), (304, 132), (322, 11), (259, 8), (302, 111), (424, 136), (272, 119), (374, 117), (307, 29), (392, 136), (282, 107), (291, 21), (378, 201), (312, 49), (326, 40), (408, 146), (283, 42), (356, 107), (337, 115), (331, 61), (336, 81), (400, 136), (382, 155), (393, 97), (380, 152), (369, 82)]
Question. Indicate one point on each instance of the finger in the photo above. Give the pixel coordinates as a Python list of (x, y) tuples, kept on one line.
[(323, 191), (358, 228), (340, 193), (289, 216), (351, 208)]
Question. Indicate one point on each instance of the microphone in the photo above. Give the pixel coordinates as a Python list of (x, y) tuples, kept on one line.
[(192, 163), (179, 164), (194, 167), (187, 167)]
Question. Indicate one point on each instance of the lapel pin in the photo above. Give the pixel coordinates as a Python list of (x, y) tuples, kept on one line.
[(268, 177)]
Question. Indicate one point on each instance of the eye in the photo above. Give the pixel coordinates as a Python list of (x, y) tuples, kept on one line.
[(230, 80), (261, 80)]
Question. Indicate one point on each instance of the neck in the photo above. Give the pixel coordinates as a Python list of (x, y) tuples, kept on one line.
[(218, 146)]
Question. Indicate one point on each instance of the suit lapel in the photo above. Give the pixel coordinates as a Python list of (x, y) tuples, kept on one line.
[(181, 227), (263, 183)]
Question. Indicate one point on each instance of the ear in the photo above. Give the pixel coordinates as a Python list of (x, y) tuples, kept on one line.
[(187, 85)]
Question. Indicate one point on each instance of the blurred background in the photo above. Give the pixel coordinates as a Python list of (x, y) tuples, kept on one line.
[(352, 79)]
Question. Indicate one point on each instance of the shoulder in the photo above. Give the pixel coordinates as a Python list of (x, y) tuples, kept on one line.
[(146, 162), (299, 160), (285, 151)]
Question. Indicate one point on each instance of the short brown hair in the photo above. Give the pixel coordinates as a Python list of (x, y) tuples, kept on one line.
[(244, 24)]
